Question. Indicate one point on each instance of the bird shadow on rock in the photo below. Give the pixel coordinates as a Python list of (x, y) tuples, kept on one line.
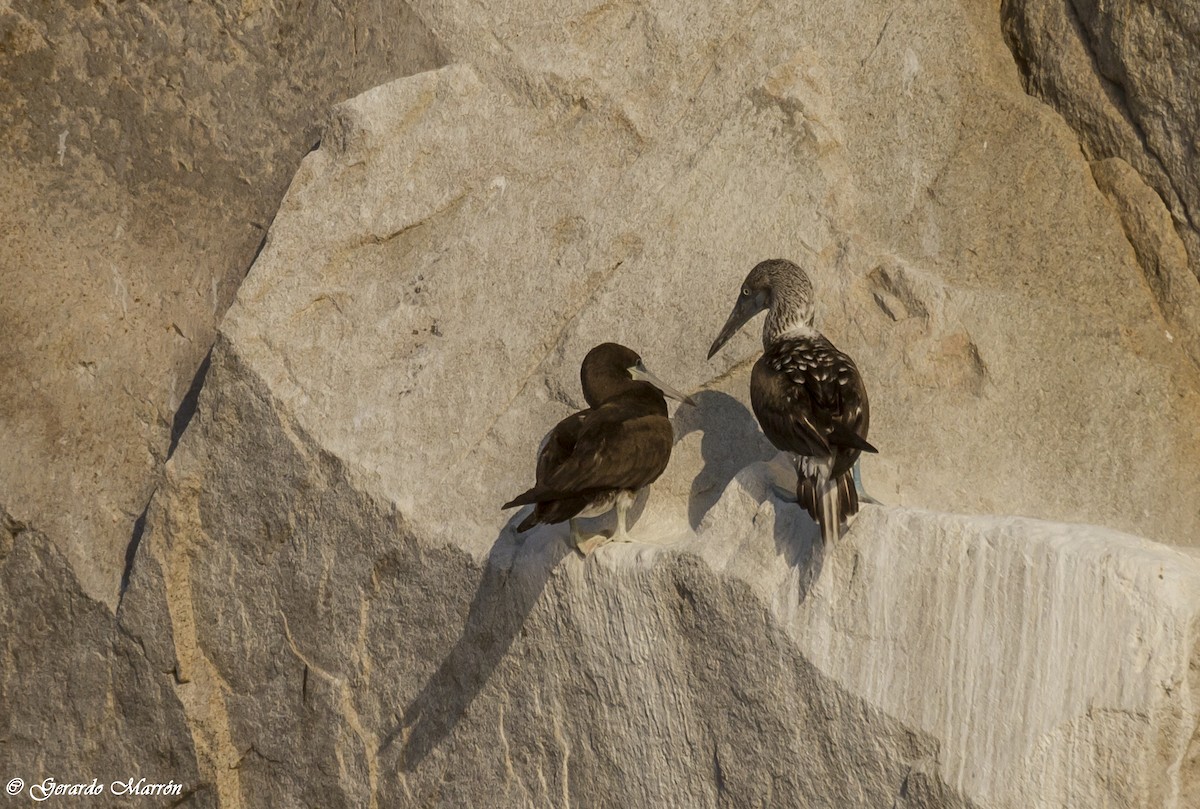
[(730, 441), (797, 538), (514, 575)]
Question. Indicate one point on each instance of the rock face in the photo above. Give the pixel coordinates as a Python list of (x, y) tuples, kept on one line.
[(1126, 77), (340, 655), (330, 610), (962, 251), (78, 697), (143, 151), (334, 568)]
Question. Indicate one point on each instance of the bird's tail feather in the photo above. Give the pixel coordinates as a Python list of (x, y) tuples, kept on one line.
[(806, 496), (516, 501), (525, 498), (829, 503), (847, 497), (547, 508), (533, 519), (830, 519), (844, 437)]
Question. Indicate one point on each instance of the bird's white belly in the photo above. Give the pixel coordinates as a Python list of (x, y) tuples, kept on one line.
[(601, 505)]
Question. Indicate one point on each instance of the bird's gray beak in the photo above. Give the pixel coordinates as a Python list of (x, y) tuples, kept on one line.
[(640, 373), (745, 308)]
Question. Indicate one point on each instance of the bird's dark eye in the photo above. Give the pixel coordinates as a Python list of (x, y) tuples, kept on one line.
[(746, 291)]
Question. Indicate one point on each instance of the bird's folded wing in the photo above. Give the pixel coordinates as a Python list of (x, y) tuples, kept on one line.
[(826, 388), (559, 444), (614, 454), (785, 413)]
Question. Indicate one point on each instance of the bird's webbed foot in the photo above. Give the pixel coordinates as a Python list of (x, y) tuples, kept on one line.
[(781, 477), (585, 546)]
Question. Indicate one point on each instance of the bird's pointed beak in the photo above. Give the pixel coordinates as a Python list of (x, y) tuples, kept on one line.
[(640, 373), (743, 310)]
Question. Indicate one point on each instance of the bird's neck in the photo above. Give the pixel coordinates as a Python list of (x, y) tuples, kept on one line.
[(786, 321), (601, 384), (642, 397), (603, 388)]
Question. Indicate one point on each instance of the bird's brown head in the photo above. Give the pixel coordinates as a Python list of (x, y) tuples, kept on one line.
[(610, 369)]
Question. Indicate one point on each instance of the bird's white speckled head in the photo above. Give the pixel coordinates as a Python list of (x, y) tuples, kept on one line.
[(783, 289), (789, 298)]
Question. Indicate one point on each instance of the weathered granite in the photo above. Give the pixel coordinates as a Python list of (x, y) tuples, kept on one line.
[(337, 650), (328, 609), (144, 148), (962, 251), (357, 625), (1126, 76), (79, 700), (1156, 243)]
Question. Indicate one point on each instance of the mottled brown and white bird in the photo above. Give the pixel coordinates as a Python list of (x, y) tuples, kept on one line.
[(808, 397), (602, 456)]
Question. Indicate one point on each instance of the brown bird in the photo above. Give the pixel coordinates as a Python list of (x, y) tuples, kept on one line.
[(602, 456), (808, 397)]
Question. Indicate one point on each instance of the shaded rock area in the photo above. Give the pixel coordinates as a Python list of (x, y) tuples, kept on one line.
[(1156, 243), (344, 656), (327, 608), (80, 698), (144, 148), (1126, 76), (365, 665)]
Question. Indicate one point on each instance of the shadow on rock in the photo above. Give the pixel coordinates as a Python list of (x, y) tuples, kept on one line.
[(797, 537), (731, 441), (514, 576)]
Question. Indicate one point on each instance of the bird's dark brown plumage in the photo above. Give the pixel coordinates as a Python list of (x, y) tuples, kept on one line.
[(810, 400), (808, 397), (620, 444)]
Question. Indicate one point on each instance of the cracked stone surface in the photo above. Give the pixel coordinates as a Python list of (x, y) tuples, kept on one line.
[(1126, 77), (144, 148), (79, 699), (1155, 241), (344, 658), (378, 636), (962, 250)]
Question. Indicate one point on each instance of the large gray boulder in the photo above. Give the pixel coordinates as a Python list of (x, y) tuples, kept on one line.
[(341, 646), (356, 624), (962, 250)]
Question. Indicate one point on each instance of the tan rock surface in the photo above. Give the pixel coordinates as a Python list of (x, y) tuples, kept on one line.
[(330, 596), (143, 151), (962, 251), (416, 321), (79, 700), (1126, 77), (937, 660), (1156, 243)]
